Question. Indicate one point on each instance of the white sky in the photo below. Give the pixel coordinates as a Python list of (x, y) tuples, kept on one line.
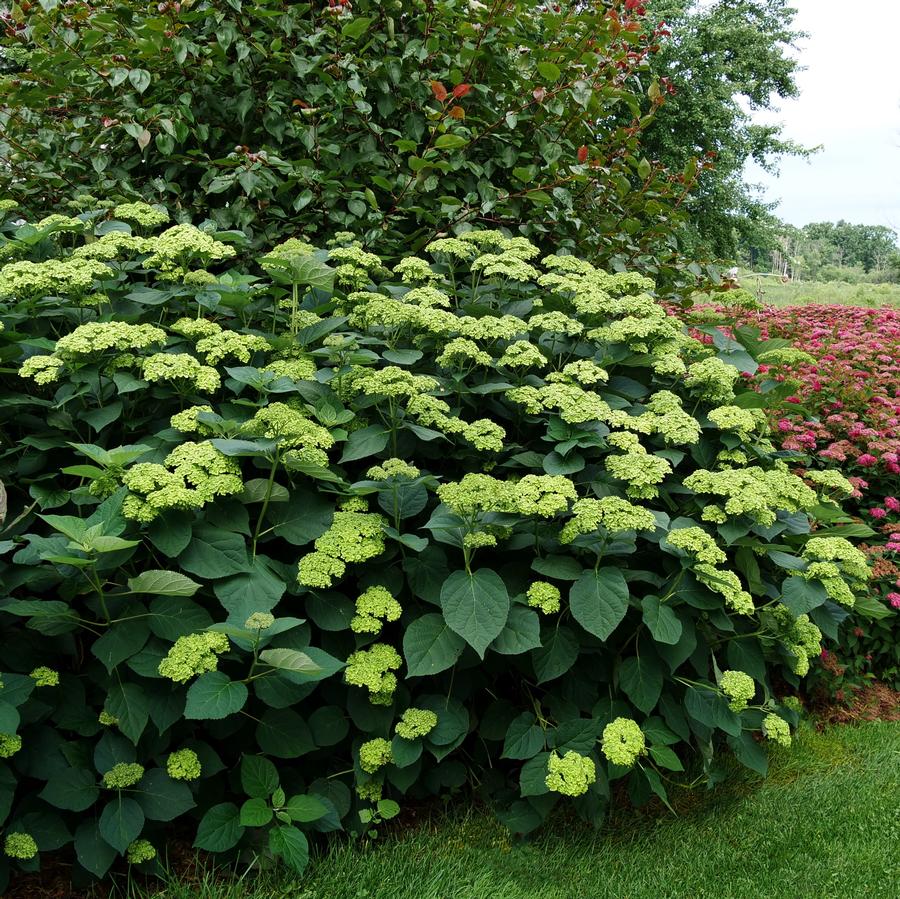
[(850, 103)]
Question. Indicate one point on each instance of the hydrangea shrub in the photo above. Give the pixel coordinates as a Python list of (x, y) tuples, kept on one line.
[(286, 545)]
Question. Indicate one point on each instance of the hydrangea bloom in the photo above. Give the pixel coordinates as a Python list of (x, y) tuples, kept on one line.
[(544, 596), (615, 514), (739, 687), (181, 368), (140, 851), (623, 742), (392, 468), (143, 214), (193, 654), (373, 669), (570, 774), (259, 621), (20, 845), (375, 754), (373, 608), (416, 723), (696, 543), (10, 744), (45, 677), (123, 775), (777, 730), (183, 764)]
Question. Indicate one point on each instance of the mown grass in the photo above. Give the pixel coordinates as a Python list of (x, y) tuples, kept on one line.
[(826, 823), (770, 289)]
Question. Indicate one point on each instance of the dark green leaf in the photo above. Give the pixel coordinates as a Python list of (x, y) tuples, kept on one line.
[(475, 606), (599, 600)]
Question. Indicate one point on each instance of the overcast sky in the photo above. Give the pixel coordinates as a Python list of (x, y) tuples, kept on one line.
[(850, 103)]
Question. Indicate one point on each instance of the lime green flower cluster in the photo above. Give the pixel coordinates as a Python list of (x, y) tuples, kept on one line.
[(259, 621), (584, 372), (490, 327), (392, 381), (738, 687), (177, 247), (623, 742), (479, 540), (374, 607), (452, 247), (460, 351), (696, 543), (193, 474), (375, 754), (799, 636), (570, 774), (712, 379), (183, 764), (193, 654), (640, 470), (392, 468), (181, 369), (522, 354), (574, 404), (427, 297), (297, 369), (556, 323), (666, 417), (42, 369), (231, 345), (140, 851), (544, 596), (743, 421), (543, 495), (370, 792), (507, 265), (10, 744), (45, 677), (196, 328), (777, 730), (142, 214), (123, 775), (416, 723), (20, 845), (613, 513), (641, 331), (352, 537), (186, 421), (787, 356), (727, 584), (838, 565), (52, 277), (484, 435), (413, 270), (754, 492), (293, 431), (114, 245), (373, 668), (106, 719), (95, 338), (478, 493), (832, 481)]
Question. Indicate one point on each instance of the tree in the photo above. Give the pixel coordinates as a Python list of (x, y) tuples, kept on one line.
[(396, 120), (719, 63), (868, 246)]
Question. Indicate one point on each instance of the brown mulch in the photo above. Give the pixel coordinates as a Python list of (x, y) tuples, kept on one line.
[(876, 702)]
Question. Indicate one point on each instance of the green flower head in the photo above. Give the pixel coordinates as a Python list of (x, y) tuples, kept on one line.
[(20, 845), (544, 596), (415, 723), (777, 730), (183, 764), (570, 774), (123, 775), (45, 677), (10, 744), (623, 742), (375, 754), (140, 851), (738, 687), (193, 654), (373, 609)]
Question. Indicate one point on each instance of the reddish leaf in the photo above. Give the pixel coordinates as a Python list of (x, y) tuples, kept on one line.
[(457, 112), (439, 91), (461, 90), (582, 153), (539, 93)]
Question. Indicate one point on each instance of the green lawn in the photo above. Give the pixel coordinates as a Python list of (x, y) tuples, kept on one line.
[(826, 823), (771, 290)]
